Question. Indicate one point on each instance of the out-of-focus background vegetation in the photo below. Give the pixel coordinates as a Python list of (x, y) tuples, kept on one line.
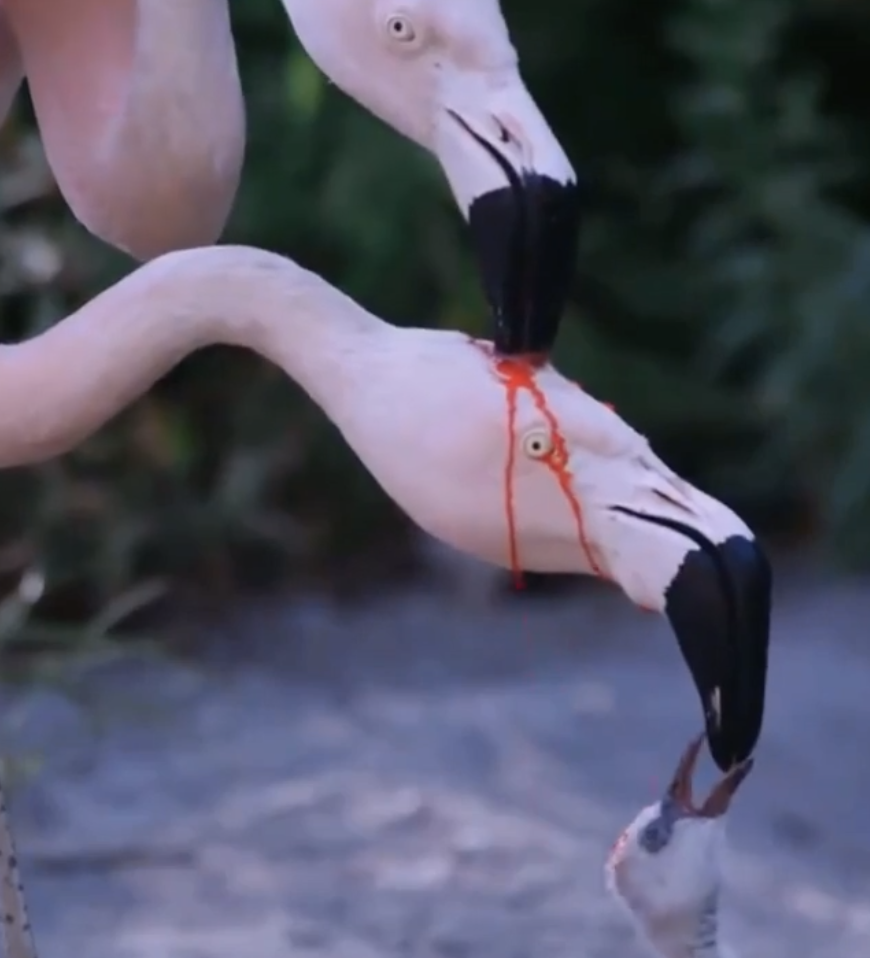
[(425, 773), (721, 301)]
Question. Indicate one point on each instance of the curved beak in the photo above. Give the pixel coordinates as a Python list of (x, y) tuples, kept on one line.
[(718, 602), (520, 195), (679, 795)]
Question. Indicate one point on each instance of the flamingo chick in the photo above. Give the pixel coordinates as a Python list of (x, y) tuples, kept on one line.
[(141, 114), (666, 867), (506, 461)]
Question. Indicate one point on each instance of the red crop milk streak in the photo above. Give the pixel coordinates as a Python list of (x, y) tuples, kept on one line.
[(517, 375)]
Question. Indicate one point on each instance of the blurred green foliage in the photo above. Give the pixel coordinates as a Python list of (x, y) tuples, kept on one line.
[(719, 299)]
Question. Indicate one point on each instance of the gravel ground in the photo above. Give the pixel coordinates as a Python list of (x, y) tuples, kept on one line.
[(434, 774)]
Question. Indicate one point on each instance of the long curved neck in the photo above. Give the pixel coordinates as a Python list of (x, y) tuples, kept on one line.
[(167, 73), (141, 113), (59, 387)]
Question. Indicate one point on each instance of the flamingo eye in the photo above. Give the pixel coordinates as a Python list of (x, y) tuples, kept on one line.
[(538, 443), (656, 834), (400, 29)]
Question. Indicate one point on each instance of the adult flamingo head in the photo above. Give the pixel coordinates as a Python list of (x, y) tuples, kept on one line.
[(504, 460), (444, 73), (521, 467)]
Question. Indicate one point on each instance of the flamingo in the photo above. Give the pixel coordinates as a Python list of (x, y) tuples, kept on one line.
[(141, 115), (502, 458), (666, 867)]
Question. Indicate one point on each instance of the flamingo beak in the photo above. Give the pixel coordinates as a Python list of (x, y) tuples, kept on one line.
[(718, 605), (717, 599), (523, 205), (525, 237)]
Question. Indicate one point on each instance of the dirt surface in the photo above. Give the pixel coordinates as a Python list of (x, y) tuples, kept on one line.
[(434, 775)]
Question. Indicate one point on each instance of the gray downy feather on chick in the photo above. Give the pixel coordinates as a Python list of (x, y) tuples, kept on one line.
[(666, 867)]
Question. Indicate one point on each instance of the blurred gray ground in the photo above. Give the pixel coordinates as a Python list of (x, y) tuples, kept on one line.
[(435, 775)]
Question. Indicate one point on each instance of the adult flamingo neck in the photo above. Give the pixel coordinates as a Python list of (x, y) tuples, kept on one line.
[(140, 111), (61, 386)]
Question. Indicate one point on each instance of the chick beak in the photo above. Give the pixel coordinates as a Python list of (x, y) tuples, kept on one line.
[(680, 789), (717, 803), (718, 605), (719, 800)]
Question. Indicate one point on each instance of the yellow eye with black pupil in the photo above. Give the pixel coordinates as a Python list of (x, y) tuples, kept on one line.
[(400, 28), (537, 444)]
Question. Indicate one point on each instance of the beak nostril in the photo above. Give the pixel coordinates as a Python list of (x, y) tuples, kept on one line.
[(672, 501), (506, 134)]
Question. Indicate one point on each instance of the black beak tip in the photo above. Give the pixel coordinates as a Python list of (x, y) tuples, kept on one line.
[(719, 607), (525, 237)]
